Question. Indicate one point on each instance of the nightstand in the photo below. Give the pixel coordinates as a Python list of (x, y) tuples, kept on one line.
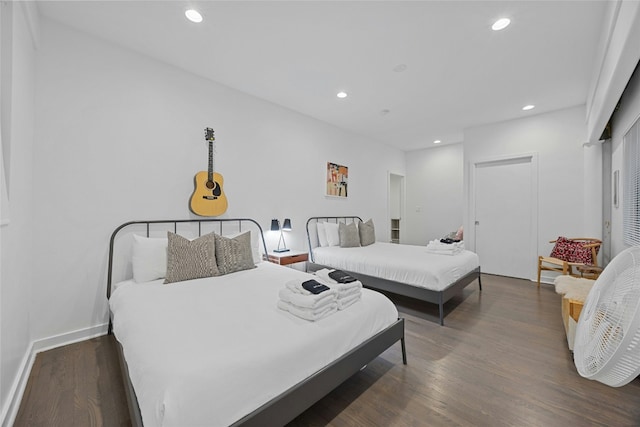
[(286, 258)]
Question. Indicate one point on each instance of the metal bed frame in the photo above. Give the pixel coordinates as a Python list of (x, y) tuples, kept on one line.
[(292, 402), (433, 296)]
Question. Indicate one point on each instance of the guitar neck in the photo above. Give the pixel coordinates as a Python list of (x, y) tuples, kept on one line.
[(210, 160)]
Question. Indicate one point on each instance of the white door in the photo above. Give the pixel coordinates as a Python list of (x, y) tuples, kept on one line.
[(505, 203)]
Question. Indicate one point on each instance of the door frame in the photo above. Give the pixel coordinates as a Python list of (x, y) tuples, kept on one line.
[(402, 202), (532, 158)]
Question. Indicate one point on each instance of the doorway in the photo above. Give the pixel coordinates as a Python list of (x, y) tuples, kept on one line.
[(395, 207), (504, 215)]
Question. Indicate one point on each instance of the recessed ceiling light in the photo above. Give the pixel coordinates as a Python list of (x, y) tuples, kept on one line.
[(501, 24), (400, 68), (437, 141), (528, 107), (193, 16), (342, 94)]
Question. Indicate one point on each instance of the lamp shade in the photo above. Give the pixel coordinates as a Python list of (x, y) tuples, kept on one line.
[(275, 225), (287, 224)]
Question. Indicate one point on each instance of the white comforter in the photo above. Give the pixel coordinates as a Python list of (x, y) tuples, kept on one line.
[(409, 264), (209, 351)]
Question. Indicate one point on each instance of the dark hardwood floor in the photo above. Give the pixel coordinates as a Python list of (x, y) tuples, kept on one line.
[(500, 360), (76, 385)]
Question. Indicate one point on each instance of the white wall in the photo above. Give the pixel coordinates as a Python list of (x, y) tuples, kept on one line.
[(558, 139), (623, 119), (434, 190), (16, 238), (120, 137)]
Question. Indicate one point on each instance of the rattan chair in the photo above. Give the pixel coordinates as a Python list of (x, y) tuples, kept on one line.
[(569, 254)]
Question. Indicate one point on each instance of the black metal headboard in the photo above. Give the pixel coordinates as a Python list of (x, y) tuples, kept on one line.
[(195, 226), (315, 219)]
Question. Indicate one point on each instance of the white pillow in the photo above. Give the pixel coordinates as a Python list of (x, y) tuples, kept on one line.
[(149, 258), (322, 234), (333, 236)]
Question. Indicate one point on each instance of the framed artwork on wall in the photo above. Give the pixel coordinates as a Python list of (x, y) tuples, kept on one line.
[(336, 180)]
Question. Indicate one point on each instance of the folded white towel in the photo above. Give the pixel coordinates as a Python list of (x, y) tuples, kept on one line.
[(346, 302), (343, 289), (323, 273), (307, 301), (348, 293), (437, 247), (308, 314), (296, 286)]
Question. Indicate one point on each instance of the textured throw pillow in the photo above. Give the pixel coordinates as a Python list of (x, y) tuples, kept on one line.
[(367, 233), (234, 254), (348, 234), (256, 244), (570, 251), (333, 236), (190, 259), (148, 258), (322, 234)]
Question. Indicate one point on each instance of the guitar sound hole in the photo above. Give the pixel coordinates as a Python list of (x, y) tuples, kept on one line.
[(210, 184)]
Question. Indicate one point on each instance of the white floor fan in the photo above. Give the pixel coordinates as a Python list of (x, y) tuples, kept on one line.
[(607, 341)]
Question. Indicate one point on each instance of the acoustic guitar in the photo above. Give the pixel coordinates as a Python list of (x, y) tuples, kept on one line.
[(208, 198)]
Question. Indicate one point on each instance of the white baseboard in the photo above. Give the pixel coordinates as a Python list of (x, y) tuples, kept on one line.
[(547, 278), (10, 411), (67, 338)]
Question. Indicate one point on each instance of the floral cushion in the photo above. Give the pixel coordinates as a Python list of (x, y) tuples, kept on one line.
[(572, 251)]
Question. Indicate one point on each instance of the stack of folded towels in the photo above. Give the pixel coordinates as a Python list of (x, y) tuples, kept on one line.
[(440, 247), (348, 289), (308, 299)]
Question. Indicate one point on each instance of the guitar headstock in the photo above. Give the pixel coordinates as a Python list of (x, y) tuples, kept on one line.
[(208, 134)]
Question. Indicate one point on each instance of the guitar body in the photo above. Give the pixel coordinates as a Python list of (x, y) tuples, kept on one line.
[(208, 198)]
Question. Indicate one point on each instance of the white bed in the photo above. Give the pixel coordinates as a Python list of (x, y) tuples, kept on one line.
[(409, 264), (218, 351), (407, 270)]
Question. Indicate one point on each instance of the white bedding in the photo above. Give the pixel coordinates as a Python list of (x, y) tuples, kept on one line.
[(210, 351), (408, 264)]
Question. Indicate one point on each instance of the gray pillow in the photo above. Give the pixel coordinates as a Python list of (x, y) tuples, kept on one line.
[(234, 254), (190, 259), (348, 235), (367, 233)]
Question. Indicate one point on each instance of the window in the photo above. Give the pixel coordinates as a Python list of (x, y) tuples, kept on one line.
[(631, 189)]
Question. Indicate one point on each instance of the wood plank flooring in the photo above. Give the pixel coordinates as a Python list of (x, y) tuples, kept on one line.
[(76, 385), (500, 360)]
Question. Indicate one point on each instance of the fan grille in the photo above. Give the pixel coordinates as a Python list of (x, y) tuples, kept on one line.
[(608, 331)]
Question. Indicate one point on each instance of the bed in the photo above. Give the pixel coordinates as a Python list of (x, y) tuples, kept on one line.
[(216, 350), (406, 270)]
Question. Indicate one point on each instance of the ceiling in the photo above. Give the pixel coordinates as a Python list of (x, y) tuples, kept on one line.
[(414, 71)]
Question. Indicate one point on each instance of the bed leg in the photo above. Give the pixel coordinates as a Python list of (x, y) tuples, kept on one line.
[(441, 307), (404, 351), (479, 282)]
